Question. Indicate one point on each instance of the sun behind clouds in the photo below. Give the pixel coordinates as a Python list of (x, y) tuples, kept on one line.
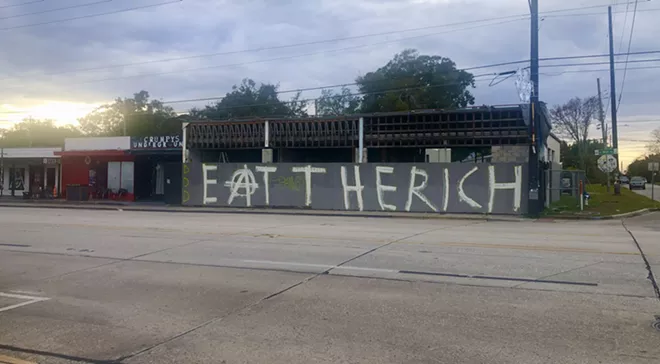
[(62, 113)]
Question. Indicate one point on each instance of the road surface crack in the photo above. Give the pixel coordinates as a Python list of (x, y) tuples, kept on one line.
[(651, 276)]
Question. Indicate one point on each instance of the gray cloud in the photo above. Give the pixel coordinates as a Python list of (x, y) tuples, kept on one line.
[(207, 26)]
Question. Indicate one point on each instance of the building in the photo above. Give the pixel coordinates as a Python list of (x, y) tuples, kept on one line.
[(124, 168), (468, 160), (28, 172)]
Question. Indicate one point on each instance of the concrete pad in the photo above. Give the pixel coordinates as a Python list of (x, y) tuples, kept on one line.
[(110, 311), (20, 268), (340, 320)]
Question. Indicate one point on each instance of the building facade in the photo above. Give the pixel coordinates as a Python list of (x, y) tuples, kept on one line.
[(470, 160), (29, 172)]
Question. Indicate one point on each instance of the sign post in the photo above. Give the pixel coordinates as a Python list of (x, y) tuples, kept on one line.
[(654, 168)]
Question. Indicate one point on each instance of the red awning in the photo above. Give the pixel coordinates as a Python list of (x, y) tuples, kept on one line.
[(92, 153)]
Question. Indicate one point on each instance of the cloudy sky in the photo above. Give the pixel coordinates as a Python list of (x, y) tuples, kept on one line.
[(199, 48)]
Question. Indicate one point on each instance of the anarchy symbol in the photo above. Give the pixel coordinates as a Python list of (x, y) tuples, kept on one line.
[(242, 184)]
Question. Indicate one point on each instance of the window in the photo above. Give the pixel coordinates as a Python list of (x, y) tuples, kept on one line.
[(120, 176), (17, 179)]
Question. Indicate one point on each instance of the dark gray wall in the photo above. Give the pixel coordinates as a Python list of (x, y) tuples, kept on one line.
[(452, 188)]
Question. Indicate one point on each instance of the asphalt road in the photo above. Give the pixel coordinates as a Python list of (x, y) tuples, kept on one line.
[(648, 192), (136, 288)]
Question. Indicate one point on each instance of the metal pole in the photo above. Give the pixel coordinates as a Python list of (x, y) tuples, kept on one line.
[(615, 136), (534, 66)]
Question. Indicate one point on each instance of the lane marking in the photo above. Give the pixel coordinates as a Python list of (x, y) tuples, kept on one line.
[(31, 293), (11, 360), (28, 300)]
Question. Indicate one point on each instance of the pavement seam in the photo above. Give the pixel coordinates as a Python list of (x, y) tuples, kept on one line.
[(556, 274), (651, 276), (50, 354), (275, 294)]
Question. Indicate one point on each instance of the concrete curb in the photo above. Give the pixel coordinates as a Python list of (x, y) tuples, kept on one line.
[(608, 217), (209, 210)]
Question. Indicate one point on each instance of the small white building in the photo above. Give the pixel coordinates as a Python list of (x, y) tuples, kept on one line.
[(29, 170), (554, 149)]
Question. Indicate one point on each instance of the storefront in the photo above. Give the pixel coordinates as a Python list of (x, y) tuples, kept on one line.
[(30, 172), (157, 168), (103, 166)]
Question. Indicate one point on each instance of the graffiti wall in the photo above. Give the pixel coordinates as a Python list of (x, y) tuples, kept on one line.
[(452, 188)]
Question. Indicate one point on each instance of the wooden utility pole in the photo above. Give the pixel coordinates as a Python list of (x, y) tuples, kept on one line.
[(615, 136), (603, 126)]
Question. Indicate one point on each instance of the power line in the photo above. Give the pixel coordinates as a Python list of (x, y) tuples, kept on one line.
[(21, 4), (287, 57), (598, 70), (625, 69), (286, 46), (56, 9), (93, 15), (600, 63)]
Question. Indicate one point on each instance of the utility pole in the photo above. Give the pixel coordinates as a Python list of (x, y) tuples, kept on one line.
[(537, 188), (601, 114), (603, 127), (615, 136)]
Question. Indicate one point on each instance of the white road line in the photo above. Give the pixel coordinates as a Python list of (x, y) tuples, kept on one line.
[(31, 293), (29, 300), (325, 266)]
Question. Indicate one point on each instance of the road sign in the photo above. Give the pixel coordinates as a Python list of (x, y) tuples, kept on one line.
[(607, 163), (654, 167), (606, 151)]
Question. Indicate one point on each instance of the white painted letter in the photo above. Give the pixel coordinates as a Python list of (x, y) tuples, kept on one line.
[(308, 170), (348, 189), (242, 179), (381, 188), (515, 186), (461, 193), (266, 171), (417, 190), (205, 174), (445, 200)]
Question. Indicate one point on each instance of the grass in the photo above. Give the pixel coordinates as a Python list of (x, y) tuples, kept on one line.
[(601, 203)]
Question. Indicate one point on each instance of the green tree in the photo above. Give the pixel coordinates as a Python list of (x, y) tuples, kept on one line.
[(136, 116), (583, 156), (248, 100), (640, 167), (37, 133), (413, 81), (342, 103)]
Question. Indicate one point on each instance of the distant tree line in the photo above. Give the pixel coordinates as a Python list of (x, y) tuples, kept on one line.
[(409, 81)]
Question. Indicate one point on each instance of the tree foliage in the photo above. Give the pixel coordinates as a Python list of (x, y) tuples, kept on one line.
[(654, 144), (573, 119), (342, 103), (583, 156), (36, 133), (248, 100), (640, 167), (139, 115), (413, 81)]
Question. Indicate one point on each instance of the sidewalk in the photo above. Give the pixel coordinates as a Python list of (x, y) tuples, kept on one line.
[(161, 207)]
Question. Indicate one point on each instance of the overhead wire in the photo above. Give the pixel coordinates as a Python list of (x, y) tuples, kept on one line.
[(56, 9), (301, 44), (21, 4), (288, 57), (93, 15), (625, 69)]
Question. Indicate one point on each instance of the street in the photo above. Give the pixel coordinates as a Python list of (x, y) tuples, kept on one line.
[(81, 286), (648, 192)]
